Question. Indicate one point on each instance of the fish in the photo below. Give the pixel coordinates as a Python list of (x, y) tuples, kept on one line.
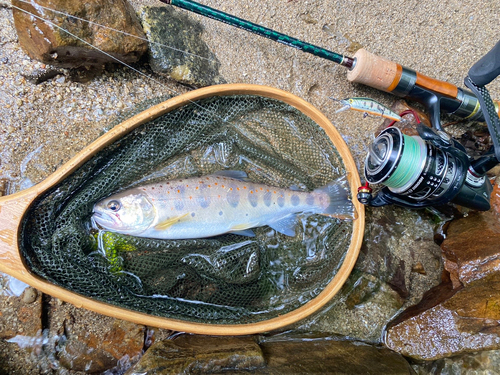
[(368, 106), (207, 206)]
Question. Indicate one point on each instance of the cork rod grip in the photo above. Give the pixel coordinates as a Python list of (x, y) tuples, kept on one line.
[(374, 71)]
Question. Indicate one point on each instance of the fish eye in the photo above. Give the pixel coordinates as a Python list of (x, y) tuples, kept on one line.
[(114, 206)]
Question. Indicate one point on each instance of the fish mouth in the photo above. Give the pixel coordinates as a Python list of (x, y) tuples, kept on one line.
[(103, 219)]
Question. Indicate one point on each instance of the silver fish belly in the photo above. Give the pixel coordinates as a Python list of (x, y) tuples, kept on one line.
[(212, 205)]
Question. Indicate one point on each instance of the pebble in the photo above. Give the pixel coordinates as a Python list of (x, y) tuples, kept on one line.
[(30, 295)]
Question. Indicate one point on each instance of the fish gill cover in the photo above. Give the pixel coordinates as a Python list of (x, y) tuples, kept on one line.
[(228, 279)]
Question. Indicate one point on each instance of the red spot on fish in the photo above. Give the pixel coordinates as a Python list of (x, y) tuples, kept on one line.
[(274, 192), (244, 187), (190, 197), (180, 191), (216, 184), (223, 186), (187, 185), (261, 189), (207, 178), (230, 189), (251, 192), (197, 187), (238, 189), (209, 186)]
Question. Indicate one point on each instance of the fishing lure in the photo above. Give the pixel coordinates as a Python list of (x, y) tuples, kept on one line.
[(368, 106)]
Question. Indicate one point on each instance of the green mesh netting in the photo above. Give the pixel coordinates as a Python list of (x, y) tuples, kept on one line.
[(228, 279)]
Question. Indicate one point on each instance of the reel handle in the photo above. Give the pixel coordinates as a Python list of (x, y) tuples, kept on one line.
[(487, 68)]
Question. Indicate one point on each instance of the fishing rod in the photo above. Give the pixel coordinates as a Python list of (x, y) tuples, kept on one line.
[(432, 168), (368, 69)]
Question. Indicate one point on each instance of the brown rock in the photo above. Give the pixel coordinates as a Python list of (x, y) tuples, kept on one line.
[(275, 355), (495, 199), (450, 322), (95, 343), (200, 354), (326, 355), (472, 247), (47, 42)]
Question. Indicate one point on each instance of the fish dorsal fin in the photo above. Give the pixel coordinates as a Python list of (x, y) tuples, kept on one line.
[(169, 222), (285, 225), (237, 175)]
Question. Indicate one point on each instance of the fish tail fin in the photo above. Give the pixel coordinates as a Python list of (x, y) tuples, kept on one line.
[(340, 204)]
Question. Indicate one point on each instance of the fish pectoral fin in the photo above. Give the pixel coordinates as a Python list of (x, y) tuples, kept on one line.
[(285, 225), (169, 222)]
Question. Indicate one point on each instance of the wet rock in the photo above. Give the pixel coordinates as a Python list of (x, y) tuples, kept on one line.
[(450, 321), (486, 362), (172, 32), (495, 199), (360, 310), (472, 247), (200, 354), (94, 343), (50, 44), (280, 354), (328, 355), (399, 249)]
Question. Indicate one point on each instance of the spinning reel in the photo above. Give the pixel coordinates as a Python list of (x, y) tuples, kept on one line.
[(432, 168)]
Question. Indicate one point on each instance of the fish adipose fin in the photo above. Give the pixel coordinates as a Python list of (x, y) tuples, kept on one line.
[(169, 222), (340, 205), (285, 225)]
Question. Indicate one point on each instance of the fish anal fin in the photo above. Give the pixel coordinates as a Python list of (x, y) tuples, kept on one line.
[(246, 232), (169, 222), (285, 225)]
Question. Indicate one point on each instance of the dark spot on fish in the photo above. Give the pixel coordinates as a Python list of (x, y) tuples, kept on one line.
[(233, 198), (267, 198), (220, 213), (204, 201), (295, 200), (281, 199), (179, 205), (193, 214), (310, 199), (253, 198)]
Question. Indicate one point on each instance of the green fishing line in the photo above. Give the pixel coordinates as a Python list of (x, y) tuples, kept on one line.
[(408, 163)]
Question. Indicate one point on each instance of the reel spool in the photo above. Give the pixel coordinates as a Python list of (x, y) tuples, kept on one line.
[(419, 171)]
